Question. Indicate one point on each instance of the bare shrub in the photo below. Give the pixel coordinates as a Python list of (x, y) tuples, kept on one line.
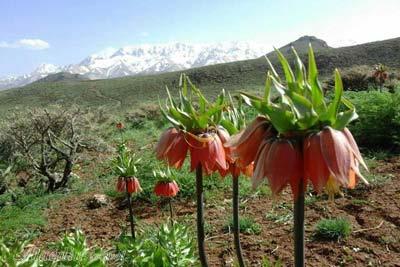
[(50, 140)]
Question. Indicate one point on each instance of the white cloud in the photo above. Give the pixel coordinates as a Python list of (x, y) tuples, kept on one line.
[(34, 44)]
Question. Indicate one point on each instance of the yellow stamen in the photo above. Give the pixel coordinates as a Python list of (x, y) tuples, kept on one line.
[(332, 188)]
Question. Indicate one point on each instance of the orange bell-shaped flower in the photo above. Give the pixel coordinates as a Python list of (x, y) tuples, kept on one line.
[(133, 185), (207, 149), (166, 189)]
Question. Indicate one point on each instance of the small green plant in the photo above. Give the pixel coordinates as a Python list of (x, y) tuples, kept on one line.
[(247, 226), (266, 262), (284, 216), (310, 200), (77, 252), (124, 165), (169, 245), (333, 229), (12, 254)]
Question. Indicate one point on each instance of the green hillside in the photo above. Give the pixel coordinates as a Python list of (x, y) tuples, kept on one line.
[(127, 92)]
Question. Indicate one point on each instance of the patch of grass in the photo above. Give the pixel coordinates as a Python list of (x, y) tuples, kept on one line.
[(359, 202), (281, 214), (247, 226), (26, 212), (266, 262), (377, 179), (310, 200), (333, 229)]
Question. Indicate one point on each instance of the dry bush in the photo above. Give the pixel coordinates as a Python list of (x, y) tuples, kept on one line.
[(50, 140)]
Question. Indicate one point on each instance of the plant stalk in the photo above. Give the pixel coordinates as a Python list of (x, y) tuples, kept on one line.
[(298, 227), (236, 225), (200, 216), (131, 218), (170, 209)]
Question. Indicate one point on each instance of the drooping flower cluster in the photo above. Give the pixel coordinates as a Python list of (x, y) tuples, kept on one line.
[(129, 184), (165, 186), (166, 189), (300, 139)]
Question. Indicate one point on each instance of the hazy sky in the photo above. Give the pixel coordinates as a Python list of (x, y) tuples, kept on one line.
[(65, 31)]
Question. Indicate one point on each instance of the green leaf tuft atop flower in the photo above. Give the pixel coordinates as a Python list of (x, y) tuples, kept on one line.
[(301, 105), (124, 165), (164, 175), (187, 116)]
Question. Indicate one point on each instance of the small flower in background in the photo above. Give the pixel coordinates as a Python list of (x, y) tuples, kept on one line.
[(166, 189), (166, 186), (380, 74), (205, 149), (120, 126), (133, 185)]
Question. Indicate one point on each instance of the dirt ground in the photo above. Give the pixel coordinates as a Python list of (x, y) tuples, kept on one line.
[(374, 213)]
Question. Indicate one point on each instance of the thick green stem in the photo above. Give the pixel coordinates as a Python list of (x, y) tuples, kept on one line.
[(298, 227), (200, 216), (131, 219), (236, 226)]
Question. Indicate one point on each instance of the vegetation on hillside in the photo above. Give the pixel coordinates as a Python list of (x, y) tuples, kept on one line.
[(25, 204)]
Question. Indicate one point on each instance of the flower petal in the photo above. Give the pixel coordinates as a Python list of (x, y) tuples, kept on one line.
[(337, 154), (210, 153), (259, 163), (354, 147), (283, 165), (177, 151), (164, 144), (315, 168), (245, 149)]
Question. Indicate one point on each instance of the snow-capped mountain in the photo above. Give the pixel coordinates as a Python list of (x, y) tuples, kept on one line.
[(40, 72), (145, 59)]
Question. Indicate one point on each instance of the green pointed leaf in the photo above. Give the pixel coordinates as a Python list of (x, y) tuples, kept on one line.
[(274, 73), (283, 120), (317, 95), (171, 100), (183, 84), (334, 105), (299, 67), (302, 106), (181, 116), (347, 103), (278, 86), (267, 91), (169, 118), (252, 101), (229, 126), (344, 118), (286, 67)]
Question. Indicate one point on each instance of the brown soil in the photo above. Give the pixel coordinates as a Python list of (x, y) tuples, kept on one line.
[(374, 213)]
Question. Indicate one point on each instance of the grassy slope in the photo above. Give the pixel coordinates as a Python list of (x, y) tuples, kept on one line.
[(242, 75)]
